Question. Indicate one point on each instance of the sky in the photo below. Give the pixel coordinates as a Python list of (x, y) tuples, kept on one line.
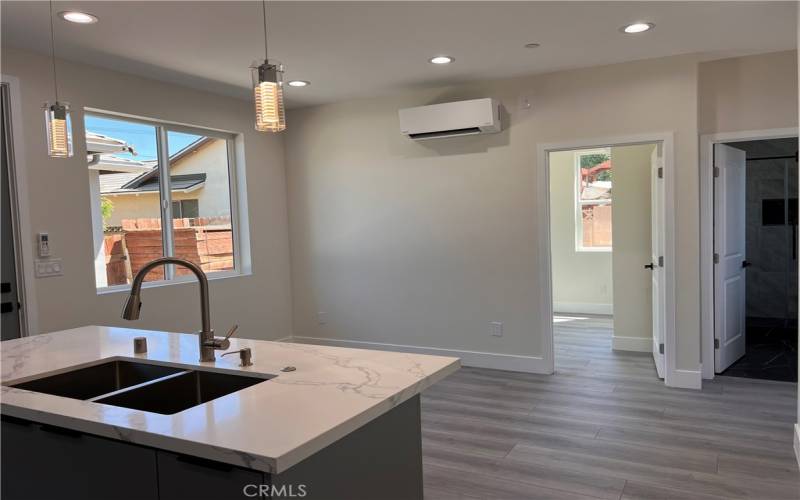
[(141, 136)]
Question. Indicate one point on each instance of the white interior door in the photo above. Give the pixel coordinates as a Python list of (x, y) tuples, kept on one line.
[(729, 258), (657, 255)]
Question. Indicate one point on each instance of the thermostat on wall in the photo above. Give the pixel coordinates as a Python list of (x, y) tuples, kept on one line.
[(44, 244)]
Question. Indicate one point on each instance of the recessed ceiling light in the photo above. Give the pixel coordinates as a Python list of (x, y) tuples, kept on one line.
[(441, 60), (531, 45), (298, 83), (75, 16), (637, 28)]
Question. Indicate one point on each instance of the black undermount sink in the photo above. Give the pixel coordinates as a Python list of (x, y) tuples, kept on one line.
[(148, 387), (179, 392), (92, 381)]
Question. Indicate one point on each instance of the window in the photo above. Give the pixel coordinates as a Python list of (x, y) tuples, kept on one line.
[(593, 174), (188, 209), (141, 213)]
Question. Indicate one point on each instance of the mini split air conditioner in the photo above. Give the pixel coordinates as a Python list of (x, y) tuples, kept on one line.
[(473, 117)]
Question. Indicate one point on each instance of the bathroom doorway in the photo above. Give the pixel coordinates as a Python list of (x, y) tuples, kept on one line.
[(756, 271)]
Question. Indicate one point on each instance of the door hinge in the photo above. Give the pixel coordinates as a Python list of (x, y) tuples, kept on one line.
[(660, 172), (661, 348), (716, 171), (660, 261), (716, 258), (716, 343)]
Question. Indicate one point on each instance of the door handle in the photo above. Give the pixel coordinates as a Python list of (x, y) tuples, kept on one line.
[(746, 264), (650, 266)]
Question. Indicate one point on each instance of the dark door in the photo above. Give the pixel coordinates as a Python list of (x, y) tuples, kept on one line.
[(9, 299)]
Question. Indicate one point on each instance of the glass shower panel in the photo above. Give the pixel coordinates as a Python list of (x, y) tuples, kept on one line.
[(771, 235)]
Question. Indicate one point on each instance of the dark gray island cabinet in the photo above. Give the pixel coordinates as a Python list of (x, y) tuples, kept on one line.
[(380, 460)]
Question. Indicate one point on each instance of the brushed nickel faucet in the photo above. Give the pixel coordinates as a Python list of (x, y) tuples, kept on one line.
[(208, 343)]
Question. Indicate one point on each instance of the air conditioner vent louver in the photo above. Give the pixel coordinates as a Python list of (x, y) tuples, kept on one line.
[(446, 133), (452, 119)]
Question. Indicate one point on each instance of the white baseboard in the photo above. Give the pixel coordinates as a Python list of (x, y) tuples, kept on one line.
[(685, 379), (582, 308), (510, 362), (284, 339), (797, 443), (637, 344)]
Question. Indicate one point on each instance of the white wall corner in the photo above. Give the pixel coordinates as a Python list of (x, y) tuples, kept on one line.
[(495, 361), (685, 379), (582, 308), (636, 344)]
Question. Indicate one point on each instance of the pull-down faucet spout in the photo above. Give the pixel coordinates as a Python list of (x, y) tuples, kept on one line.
[(207, 341)]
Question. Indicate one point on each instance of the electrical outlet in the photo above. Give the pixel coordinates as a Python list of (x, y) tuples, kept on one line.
[(496, 328), (322, 317)]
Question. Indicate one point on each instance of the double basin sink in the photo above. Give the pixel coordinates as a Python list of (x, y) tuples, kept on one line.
[(157, 388)]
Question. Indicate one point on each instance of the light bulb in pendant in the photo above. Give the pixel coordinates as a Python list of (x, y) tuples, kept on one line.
[(59, 130), (268, 95)]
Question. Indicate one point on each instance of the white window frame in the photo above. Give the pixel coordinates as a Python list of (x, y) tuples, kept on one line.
[(238, 201), (579, 204)]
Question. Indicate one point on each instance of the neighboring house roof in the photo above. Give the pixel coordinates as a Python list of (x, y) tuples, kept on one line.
[(146, 181), (175, 158), (113, 182), (101, 149), (99, 143), (112, 163), (120, 184)]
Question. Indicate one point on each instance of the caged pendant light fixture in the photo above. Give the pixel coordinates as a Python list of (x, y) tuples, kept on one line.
[(268, 89), (58, 126)]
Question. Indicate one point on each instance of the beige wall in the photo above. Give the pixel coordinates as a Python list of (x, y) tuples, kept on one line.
[(213, 198), (582, 281), (424, 243), (132, 206), (748, 93), (632, 244), (58, 201)]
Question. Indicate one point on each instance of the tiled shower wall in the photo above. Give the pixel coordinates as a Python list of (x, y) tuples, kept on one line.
[(772, 277)]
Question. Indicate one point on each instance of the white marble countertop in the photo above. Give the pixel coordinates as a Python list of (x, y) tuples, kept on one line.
[(269, 426)]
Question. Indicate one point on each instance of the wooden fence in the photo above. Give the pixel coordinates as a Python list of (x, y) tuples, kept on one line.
[(596, 220), (205, 241)]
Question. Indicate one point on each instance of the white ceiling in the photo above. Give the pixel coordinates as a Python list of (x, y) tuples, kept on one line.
[(353, 49)]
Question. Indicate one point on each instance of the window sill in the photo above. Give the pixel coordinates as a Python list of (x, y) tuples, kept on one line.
[(594, 249), (181, 280)]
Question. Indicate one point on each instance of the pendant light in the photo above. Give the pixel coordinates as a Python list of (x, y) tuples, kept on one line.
[(56, 116), (268, 89)]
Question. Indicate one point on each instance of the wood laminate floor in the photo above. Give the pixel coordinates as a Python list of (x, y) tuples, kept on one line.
[(604, 426)]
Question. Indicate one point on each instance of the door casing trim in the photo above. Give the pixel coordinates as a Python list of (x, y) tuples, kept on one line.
[(18, 187), (707, 306), (671, 377)]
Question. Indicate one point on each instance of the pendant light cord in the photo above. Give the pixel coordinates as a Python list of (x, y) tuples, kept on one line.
[(264, 13), (53, 50)]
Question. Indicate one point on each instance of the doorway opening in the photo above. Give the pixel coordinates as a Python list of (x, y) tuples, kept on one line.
[(14, 319), (607, 257), (755, 259)]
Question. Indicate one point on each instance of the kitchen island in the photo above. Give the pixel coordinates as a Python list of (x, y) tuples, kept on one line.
[(304, 421)]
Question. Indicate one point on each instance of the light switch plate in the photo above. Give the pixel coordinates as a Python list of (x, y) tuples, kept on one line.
[(46, 268), (322, 317)]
